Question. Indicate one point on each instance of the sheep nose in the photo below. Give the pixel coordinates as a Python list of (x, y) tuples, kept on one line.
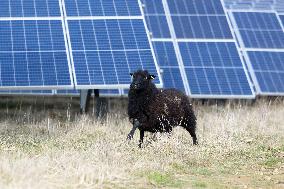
[(134, 85)]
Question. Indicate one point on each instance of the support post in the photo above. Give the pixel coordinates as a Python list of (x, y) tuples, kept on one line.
[(85, 100), (101, 105)]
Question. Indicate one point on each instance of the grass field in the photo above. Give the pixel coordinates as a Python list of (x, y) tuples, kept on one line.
[(239, 147)]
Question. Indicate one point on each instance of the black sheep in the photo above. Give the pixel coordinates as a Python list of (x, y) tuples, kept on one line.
[(157, 110)]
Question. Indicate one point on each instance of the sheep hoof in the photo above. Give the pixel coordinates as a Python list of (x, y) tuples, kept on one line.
[(129, 137)]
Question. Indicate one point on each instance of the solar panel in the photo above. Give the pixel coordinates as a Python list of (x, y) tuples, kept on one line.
[(199, 19), (33, 52), (268, 68), (197, 32), (157, 23), (264, 52), (36, 8), (207, 49), (214, 68), (168, 63), (259, 30), (108, 40)]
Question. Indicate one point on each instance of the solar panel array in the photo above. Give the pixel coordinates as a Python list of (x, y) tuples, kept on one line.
[(42, 42), (163, 44), (62, 44), (33, 50), (196, 49), (108, 40), (261, 38)]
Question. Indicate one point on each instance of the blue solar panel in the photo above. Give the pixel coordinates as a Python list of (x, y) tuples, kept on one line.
[(102, 8), (268, 68), (214, 69), (106, 49), (199, 19), (215, 27), (209, 69), (156, 19), (259, 30), (33, 54), (282, 19), (218, 81), (167, 60), (29, 8), (172, 78), (153, 7), (165, 53), (195, 7), (158, 26)]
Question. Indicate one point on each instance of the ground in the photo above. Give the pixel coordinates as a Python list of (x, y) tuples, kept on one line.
[(240, 146)]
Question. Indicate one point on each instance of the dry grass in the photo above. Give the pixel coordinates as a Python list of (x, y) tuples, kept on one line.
[(239, 147)]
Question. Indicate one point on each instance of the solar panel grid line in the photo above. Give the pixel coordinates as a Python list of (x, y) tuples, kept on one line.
[(262, 49), (250, 82), (204, 40), (29, 18), (176, 47), (250, 11), (161, 40), (254, 82), (103, 17)]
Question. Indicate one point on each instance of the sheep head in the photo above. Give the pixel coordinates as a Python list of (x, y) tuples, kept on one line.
[(141, 80)]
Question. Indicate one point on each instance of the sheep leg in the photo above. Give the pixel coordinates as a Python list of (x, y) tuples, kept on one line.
[(136, 124), (141, 138), (193, 135)]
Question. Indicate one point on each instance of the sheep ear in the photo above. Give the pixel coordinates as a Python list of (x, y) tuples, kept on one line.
[(152, 76)]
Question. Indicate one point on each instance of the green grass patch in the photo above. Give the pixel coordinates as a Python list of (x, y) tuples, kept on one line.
[(164, 180), (273, 161)]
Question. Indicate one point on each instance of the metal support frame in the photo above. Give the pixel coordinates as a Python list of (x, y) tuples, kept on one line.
[(85, 100), (101, 103)]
